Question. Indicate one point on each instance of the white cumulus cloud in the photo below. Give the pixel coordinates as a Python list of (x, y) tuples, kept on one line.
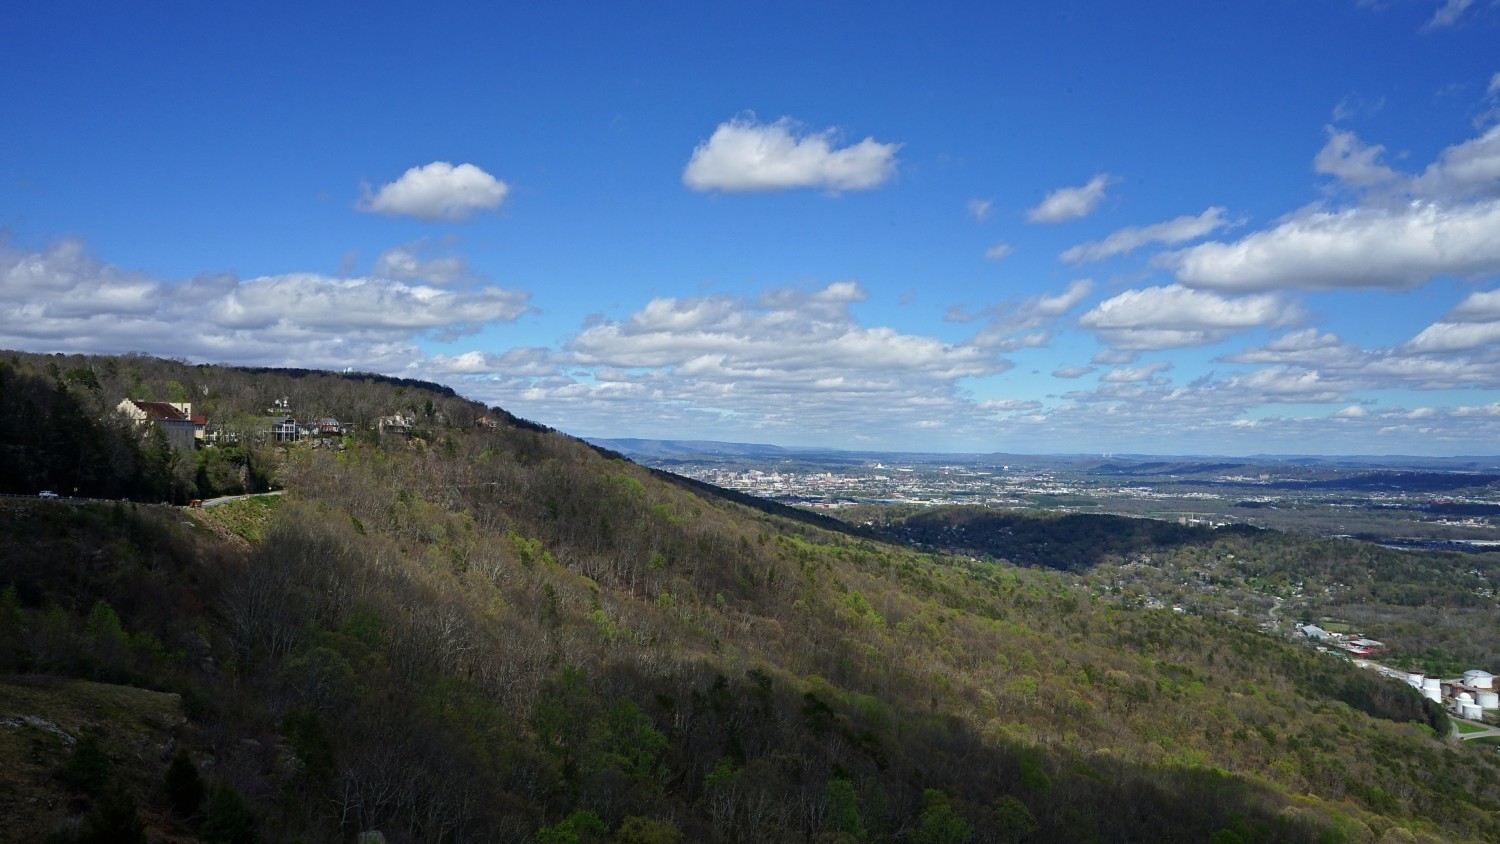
[(795, 338), (1471, 168), (1364, 247), (1473, 324), (1480, 306), (63, 299), (1456, 337), (1175, 316), (1404, 231), (437, 192), (788, 362), (743, 156), (1066, 204), (1305, 346)]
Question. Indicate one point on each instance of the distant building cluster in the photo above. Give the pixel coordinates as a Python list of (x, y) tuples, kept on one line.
[(185, 431), (1470, 696), (1354, 644)]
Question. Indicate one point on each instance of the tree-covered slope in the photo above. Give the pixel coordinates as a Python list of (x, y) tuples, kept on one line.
[(477, 634)]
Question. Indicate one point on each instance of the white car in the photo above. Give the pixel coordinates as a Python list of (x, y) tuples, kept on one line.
[(47, 493)]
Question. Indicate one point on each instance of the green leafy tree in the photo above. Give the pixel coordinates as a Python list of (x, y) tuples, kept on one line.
[(108, 644), (635, 745), (309, 738), (1033, 775), (843, 809), (638, 830), (939, 824), (581, 827), (721, 792), (564, 717), (12, 627), (1013, 820)]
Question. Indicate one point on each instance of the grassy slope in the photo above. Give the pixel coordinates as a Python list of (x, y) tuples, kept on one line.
[(41, 721)]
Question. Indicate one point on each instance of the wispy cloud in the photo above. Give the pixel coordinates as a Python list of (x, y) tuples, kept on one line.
[(1151, 373), (1447, 14), (1073, 371), (1025, 324), (999, 251), (1128, 239), (406, 263), (1350, 161)]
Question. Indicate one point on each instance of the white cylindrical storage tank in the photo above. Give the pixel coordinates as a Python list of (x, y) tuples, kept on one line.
[(1432, 689), (1464, 698), (1479, 679), (1472, 711), (1489, 700)]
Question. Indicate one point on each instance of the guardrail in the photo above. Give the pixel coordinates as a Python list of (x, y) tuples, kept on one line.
[(76, 500)]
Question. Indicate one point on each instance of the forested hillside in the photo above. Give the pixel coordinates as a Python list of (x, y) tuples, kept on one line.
[(475, 634), (1436, 611)]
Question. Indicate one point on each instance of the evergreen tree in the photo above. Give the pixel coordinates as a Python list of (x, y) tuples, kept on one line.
[(184, 786), (228, 819)]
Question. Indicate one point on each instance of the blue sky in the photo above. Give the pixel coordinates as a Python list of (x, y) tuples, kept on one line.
[(1226, 228)]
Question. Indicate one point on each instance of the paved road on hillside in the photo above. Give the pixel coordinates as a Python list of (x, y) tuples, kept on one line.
[(214, 502), (1486, 731)]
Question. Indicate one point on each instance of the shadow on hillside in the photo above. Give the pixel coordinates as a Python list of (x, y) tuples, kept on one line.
[(1069, 542)]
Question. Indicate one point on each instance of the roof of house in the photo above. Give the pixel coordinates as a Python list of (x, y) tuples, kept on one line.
[(159, 410)]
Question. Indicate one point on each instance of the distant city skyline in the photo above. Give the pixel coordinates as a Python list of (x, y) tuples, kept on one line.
[(1220, 229)]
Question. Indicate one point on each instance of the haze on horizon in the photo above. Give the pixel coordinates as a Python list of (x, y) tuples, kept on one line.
[(1066, 228)]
